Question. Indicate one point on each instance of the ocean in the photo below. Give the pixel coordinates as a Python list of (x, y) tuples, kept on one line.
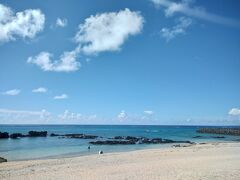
[(52, 147)]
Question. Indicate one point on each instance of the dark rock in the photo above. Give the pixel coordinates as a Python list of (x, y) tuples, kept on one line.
[(218, 137), (136, 140), (80, 136), (4, 135), (53, 134), (226, 131), (176, 145), (197, 136), (2, 160), (118, 137), (132, 138), (165, 141), (37, 133), (17, 135)]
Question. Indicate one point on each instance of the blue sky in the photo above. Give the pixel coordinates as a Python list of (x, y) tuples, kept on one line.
[(124, 62)]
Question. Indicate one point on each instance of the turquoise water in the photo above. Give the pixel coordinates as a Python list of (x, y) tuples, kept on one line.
[(46, 147)]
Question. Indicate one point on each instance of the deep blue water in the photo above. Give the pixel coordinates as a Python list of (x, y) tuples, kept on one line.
[(44, 147)]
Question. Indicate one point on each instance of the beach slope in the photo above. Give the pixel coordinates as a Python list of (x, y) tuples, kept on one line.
[(203, 161)]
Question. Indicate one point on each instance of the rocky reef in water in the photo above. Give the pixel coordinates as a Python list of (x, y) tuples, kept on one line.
[(129, 140), (2, 160), (225, 131)]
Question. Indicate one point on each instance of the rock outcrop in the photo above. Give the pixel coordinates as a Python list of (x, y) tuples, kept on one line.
[(17, 135), (128, 140), (2, 160), (226, 131), (4, 135), (37, 133)]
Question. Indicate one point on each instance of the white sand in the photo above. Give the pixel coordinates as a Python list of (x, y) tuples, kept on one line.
[(209, 161)]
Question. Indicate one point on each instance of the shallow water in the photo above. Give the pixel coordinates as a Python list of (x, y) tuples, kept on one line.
[(45, 147)]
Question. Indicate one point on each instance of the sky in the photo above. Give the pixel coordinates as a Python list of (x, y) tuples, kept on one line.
[(163, 62)]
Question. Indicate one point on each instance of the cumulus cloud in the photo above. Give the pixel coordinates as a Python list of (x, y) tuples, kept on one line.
[(12, 92), (148, 112), (108, 31), (61, 22), (66, 63), (39, 90), (67, 115), (62, 96), (185, 7), (180, 28), (24, 24), (122, 116), (99, 33), (234, 112)]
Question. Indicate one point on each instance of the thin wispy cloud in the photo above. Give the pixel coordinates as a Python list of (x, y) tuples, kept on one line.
[(23, 24), (179, 29), (12, 92), (61, 22), (148, 112), (62, 96), (99, 33), (40, 90), (187, 8)]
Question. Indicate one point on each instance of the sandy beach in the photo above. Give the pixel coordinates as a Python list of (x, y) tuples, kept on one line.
[(201, 161)]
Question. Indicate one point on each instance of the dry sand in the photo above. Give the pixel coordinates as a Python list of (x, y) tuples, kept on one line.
[(208, 161)]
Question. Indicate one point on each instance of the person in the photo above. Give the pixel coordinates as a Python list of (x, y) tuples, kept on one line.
[(89, 147), (100, 152)]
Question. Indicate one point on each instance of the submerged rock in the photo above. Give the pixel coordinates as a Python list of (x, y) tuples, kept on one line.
[(80, 136), (4, 135), (2, 160), (17, 135), (118, 137), (53, 134), (37, 133), (218, 137), (197, 136)]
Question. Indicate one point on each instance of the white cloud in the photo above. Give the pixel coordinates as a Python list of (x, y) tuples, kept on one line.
[(67, 115), (180, 28), (186, 8), (108, 31), (122, 116), (40, 90), (12, 92), (8, 116), (61, 22), (148, 112), (234, 112), (24, 24), (63, 96), (66, 63), (102, 32)]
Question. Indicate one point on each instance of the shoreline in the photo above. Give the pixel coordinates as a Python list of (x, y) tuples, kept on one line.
[(210, 160)]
